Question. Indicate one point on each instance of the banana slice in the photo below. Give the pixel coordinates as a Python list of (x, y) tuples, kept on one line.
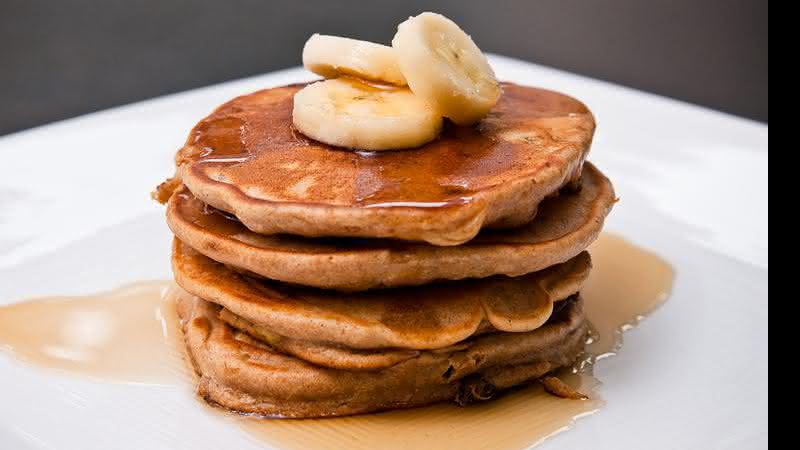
[(349, 113), (443, 65), (334, 56)]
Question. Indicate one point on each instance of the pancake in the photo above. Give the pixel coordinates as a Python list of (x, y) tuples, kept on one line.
[(320, 353), (244, 374), (248, 160), (566, 225), (424, 317)]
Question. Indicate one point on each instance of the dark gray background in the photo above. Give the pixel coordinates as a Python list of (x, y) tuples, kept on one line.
[(61, 58)]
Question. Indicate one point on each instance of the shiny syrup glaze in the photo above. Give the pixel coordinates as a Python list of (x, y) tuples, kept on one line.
[(250, 143), (129, 335)]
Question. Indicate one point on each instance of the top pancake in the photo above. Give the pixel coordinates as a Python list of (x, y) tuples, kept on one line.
[(247, 159)]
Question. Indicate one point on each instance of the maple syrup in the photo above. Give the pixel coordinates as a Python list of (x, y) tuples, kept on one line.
[(128, 335)]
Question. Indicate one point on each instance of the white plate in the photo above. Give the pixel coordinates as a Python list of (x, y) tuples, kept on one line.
[(75, 217)]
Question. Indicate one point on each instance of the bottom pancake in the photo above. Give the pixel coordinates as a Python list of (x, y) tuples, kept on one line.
[(242, 373)]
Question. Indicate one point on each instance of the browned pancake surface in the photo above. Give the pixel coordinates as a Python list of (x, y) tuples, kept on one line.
[(246, 158)]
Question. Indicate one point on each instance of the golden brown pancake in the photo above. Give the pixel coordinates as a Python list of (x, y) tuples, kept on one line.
[(244, 374), (248, 160), (565, 226), (423, 317), (320, 353)]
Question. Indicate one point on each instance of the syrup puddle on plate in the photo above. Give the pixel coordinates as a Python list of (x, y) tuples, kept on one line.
[(132, 335), (128, 335)]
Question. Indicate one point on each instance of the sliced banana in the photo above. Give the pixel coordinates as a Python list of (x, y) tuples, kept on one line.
[(349, 113), (442, 64), (334, 56)]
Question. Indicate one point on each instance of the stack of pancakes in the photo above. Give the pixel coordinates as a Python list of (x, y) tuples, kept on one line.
[(324, 281)]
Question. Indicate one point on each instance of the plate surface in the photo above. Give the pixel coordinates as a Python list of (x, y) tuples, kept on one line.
[(76, 218)]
